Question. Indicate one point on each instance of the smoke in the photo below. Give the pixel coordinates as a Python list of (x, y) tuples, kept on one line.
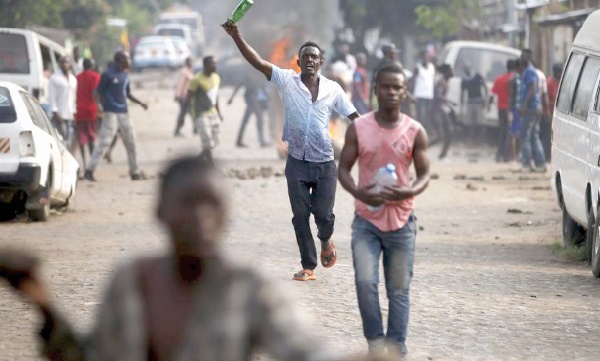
[(269, 20)]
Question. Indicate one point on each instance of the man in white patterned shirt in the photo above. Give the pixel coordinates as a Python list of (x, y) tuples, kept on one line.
[(309, 100)]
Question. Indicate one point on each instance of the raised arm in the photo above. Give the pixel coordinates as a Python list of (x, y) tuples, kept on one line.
[(247, 51)]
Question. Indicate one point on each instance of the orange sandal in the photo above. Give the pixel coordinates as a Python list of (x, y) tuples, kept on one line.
[(329, 257), (305, 275)]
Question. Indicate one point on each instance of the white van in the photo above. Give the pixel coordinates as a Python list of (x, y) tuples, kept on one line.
[(180, 31), (576, 142), (487, 59), (28, 59), (193, 20)]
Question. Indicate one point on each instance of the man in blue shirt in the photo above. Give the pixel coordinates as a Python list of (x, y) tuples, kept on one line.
[(531, 110), (309, 100), (114, 91)]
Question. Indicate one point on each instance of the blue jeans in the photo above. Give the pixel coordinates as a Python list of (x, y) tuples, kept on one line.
[(531, 145), (398, 248)]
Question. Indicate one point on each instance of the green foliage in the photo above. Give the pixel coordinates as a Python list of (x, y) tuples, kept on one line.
[(23, 13), (445, 18)]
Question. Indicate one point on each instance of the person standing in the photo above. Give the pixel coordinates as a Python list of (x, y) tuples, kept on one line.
[(360, 85), (531, 145), (375, 140), (553, 83), (309, 100), (62, 95), (87, 108), (501, 90), (257, 102), (473, 94), (442, 112), (186, 74), (423, 90), (113, 91), (514, 104), (77, 61), (203, 96), (190, 303)]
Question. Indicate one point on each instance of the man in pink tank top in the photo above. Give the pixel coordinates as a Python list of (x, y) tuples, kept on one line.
[(384, 220)]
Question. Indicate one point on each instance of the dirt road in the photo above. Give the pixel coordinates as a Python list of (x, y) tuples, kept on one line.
[(486, 284)]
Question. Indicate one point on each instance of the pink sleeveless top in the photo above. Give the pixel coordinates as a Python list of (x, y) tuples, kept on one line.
[(376, 148)]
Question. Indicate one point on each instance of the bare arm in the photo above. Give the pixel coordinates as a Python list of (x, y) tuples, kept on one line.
[(136, 100), (237, 88), (247, 51)]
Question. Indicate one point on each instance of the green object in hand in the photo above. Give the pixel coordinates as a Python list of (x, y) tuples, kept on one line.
[(241, 10)]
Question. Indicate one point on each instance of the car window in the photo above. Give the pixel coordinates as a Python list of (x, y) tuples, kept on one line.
[(57, 57), (585, 87), (488, 63), (36, 113), (47, 60), (13, 54), (7, 108), (171, 32), (569, 80)]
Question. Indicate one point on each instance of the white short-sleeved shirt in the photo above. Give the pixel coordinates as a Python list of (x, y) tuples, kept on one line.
[(306, 128)]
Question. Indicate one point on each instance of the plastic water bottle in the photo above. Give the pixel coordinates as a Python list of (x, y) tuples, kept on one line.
[(241, 10), (385, 177)]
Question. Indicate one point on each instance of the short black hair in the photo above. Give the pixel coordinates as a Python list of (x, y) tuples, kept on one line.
[(207, 59), (311, 44), (444, 69), (119, 54), (391, 67), (87, 64), (511, 64), (557, 68), (183, 166)]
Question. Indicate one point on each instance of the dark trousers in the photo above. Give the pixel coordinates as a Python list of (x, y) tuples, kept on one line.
[(503, 143), (311, 188), (184, 108), (546, 135), (256, 108)]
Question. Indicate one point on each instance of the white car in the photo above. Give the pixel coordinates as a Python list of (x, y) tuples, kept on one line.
[(36, 169), (155, 52), (182, 50)]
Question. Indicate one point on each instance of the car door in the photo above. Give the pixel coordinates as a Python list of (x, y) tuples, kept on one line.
[(39, 118)]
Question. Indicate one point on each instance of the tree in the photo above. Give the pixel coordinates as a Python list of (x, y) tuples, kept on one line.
[(446, 18), (23, 13)]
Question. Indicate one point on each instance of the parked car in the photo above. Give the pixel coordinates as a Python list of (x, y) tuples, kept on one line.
[(155, 52), (179, 31), (37, 171), (489, 60), (181, 49), (576, 142), (29, 59)]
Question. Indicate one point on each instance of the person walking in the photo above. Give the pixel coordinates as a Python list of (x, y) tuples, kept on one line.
[(309, 100), (501, 90), (530, 100), (514, 105), (473, 94), (114, 91), (442, 113), (360, 85), (190, 303), (257, 101), (423, 91), (375, 140), (87, 108), (62, 96), (186, 74), (203, 97), (553, 83)]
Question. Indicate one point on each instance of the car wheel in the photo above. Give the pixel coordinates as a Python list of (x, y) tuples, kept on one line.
[(571, 231), (589, 236), (596, 247), (41, 213)]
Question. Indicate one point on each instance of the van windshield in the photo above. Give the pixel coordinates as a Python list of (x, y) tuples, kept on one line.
[(7, 109), (190, 21), (13, 54), (171, 32), (488, 63)]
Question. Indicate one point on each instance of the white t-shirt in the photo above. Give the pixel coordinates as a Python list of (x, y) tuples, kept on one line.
[(425, 81)]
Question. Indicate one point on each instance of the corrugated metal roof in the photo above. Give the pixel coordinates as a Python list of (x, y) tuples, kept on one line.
[(565, 17)]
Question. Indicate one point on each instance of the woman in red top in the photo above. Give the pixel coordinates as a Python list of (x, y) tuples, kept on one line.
[(87, 108)]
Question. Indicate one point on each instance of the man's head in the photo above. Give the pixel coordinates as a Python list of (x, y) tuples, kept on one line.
[(424, 56), (310, 58), (446, 71), (192, 206), (361, 59), (390, 86), (209, 65), (527, 55), (88, 64), (344, 49), (511, 65), (557, 70), (390, 52), (76, 53), (122, 60), (520, 65), (188, 62), (65, 63)]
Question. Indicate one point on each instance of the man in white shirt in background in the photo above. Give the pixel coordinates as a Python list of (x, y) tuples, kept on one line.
[(62, 95), (423, 90)]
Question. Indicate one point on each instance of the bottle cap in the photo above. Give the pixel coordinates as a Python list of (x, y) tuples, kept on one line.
[(390, 167)]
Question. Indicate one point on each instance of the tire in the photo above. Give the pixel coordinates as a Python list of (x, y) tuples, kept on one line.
[(571, 231), (41, 214), (589, 236), (595, 256)]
